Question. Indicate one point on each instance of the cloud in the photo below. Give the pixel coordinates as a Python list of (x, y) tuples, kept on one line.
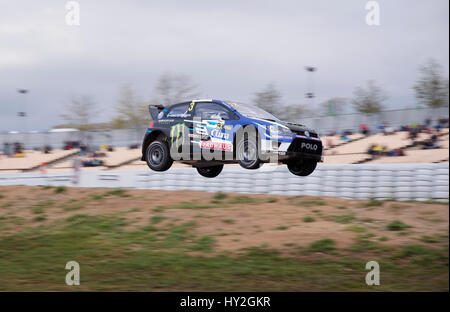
[(230, 48)]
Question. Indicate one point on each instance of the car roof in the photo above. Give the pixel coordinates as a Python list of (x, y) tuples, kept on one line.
[(200, 100)]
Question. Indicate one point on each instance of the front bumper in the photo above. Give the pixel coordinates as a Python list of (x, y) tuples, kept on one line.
[(298, 147)]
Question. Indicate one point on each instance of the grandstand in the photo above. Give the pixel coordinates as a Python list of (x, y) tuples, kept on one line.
[(32, 160), (337, 140), (354, 150), (120, 157), (415, 156)]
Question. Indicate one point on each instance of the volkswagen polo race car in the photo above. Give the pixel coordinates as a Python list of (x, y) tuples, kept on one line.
[(207, 134)]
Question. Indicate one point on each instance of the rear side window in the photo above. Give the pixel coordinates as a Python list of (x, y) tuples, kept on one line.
[(179, 111)]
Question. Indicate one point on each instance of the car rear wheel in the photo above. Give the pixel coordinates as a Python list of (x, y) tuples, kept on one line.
[(210, 172), (301, 167), (158, 156)]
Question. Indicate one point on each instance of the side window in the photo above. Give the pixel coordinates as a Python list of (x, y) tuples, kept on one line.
[(213, 111), (179, 111)]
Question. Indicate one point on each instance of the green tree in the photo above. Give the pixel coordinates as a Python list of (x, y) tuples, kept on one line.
[(432, 89), (369, 100)]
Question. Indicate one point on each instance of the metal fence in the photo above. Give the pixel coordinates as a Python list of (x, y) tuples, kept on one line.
[(117, 138), (381, 181), (323, 124), (394, 118)]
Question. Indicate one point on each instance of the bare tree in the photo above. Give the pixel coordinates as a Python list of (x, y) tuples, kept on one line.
[(131, 111), (431, 88), (269, 99), (369, 100), (80, 112), (173, 88), (118, 123)]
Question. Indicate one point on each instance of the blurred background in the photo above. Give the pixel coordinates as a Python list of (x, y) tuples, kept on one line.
[(82, 75), (76, 78)]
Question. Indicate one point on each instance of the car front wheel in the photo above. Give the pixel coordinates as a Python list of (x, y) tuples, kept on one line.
[(301, 167), (210, 172)]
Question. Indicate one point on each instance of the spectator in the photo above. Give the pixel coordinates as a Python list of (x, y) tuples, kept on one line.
[(444, 122), (348, 132), (381, 127), (379, 149), (376, 150), (364, 129), (345, 138), (432, 143), (330, 143), (93, 163), (388, 130), (18, 150), (47, 149), (396, 153), (83, 150), (371, 150), (7, 149)]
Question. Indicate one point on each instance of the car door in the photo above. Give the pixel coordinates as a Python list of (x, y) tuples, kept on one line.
[(211, 124)]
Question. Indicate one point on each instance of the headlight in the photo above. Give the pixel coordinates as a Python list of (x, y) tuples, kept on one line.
[(279, 130)]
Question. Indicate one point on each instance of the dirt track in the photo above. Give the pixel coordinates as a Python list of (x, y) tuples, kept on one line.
[(236, 221)]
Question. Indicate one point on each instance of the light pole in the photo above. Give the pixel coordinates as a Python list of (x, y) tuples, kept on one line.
[(24, 115), (310, 85)]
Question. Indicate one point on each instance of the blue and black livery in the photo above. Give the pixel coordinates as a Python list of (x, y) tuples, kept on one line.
[(224, 127)]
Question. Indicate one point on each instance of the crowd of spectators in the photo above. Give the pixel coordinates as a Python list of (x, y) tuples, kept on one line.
[(13, 150), (413, 130), (378, 150)]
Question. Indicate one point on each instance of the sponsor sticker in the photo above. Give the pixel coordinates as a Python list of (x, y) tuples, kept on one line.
[(217, 145), (309, 146)]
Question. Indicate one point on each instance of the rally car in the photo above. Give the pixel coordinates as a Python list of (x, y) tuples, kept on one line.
[(207, 134)]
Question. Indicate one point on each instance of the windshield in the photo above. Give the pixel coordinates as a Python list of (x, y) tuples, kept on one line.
[(252, 111)]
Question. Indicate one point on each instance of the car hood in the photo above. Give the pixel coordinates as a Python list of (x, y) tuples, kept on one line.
[(296, 128)]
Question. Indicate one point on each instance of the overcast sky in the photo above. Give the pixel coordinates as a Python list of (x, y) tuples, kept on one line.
[(230, 48)]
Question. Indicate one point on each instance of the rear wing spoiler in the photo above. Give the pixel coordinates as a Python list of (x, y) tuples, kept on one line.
[(154, 110)]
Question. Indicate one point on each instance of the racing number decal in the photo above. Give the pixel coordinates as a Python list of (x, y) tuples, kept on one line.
[(191, 106)]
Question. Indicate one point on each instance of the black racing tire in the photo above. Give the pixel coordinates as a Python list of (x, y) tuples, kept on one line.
[(158, 157), (247, 151), (210, 172), (301, 167)]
